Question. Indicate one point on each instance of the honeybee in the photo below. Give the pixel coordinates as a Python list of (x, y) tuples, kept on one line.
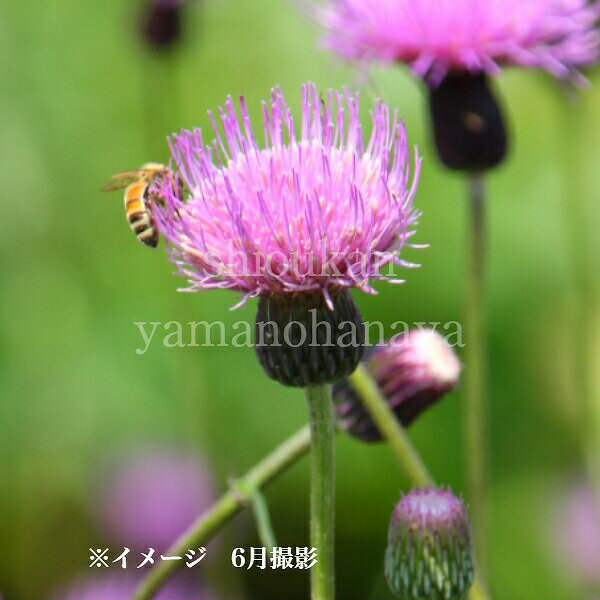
[(138, 199)]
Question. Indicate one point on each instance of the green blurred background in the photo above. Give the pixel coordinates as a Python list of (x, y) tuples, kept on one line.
[(82, 98)]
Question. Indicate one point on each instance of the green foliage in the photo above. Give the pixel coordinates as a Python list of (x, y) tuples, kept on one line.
[(80, 100)]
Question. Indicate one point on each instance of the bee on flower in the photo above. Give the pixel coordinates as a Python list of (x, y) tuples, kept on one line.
[(297, 223)]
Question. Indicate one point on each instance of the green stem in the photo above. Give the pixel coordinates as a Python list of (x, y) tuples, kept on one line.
[(398, 440), (384, 418), (231, 503), (322, 427), (161, 103), (475, 377), (243, 490), (263, 521)]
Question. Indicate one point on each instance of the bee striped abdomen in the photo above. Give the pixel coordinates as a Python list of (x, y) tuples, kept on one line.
[(138, 199), (140, 219)]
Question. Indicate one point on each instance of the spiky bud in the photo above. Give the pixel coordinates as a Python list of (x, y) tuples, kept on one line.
[(468, 125), (430, 551), (412, 372), (300, 340)]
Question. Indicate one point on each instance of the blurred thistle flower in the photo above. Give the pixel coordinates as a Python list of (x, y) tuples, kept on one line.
[(297, 223), (160, 22), (454, 45), (149, 498), (121, 586), (412, 372), (430, 551), (452, 36), (576, 532)]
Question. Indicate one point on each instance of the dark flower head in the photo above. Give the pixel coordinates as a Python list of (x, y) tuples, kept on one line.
[(160, 23), (468, 122), (412, 372), (430, 550)]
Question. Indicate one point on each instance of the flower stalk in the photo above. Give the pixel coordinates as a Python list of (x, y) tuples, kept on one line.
[(264, 525), (243, 490), (382, 415), (322, 427), (231, 503), (161, 105), (406, 454), (475, 373)]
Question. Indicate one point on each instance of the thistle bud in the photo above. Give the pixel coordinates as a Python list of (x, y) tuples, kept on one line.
[(430, 551), (300, 340), (160, 24), (468, 125), (412, 373)]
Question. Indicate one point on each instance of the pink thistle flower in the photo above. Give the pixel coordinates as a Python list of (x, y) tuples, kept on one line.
[(314, 211), (435, 37)]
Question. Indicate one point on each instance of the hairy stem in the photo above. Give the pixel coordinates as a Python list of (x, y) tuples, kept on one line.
[(321, 417)]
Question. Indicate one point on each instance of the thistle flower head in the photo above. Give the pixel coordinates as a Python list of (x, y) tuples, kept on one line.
[(150, 497), (435, 37), (412, 372), (314, 210), (430, 552)]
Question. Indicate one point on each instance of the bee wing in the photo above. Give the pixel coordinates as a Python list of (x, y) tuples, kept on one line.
[(120, 181)]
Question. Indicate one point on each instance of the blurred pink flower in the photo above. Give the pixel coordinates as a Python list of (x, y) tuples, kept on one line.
[(147, 499), (438, 36), (120, 586), (576, 532)]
